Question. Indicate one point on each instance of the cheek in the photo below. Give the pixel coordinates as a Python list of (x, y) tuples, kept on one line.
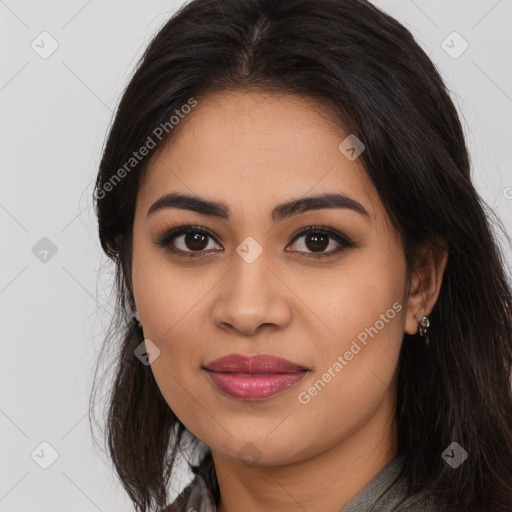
[(177, 370), (363, 306), (167, 297), (350, 386), (169, 304), (180, 393), (365, 291)]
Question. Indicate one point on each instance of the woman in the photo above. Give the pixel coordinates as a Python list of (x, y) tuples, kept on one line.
[(322, 315)]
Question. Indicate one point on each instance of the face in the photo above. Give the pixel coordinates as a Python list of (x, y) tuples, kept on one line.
[(243, 279)]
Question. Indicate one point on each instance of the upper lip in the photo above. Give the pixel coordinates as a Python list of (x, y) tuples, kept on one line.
[(262, 363)]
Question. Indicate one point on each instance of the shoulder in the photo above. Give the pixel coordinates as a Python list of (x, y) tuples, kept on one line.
[(194, 496), (421, 503), (180, 502)]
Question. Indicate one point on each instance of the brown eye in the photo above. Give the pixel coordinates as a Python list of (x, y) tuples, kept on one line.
[(188, 240), (317, 242), (317, 239), (195, 241)]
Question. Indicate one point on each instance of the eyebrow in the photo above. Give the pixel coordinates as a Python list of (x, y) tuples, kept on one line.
[(280, 212)]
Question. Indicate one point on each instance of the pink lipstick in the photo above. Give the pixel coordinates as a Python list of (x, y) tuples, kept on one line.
[(254, 378)]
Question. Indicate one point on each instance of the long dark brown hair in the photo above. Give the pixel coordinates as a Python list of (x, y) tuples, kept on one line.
[(369, 70)]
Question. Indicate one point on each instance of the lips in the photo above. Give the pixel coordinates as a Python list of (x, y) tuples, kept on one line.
[(254, 378), (262, 363)]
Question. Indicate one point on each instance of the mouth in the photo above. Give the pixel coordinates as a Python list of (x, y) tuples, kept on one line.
[(261, 363), (254, 378)]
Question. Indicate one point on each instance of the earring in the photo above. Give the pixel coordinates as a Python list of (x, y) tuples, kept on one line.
[(423, 325), (137, 319)]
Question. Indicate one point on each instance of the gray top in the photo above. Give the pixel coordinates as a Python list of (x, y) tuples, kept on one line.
[(387, 492)]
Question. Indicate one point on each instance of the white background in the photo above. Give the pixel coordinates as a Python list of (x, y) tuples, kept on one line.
[(54, 118)]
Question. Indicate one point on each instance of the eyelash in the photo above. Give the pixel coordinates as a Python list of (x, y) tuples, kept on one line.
[(165, 240)]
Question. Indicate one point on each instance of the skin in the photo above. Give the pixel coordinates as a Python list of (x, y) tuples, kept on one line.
[(253, 150)]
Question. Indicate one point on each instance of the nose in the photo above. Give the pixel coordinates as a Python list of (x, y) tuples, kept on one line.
[(250, 297)]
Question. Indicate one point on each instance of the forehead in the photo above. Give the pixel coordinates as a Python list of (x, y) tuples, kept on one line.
[(254, 149)]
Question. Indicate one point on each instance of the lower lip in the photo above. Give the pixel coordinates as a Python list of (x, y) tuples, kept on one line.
[(255, 386)]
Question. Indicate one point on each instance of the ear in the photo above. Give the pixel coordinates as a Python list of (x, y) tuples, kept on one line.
[(425, 282), (120, 240)]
